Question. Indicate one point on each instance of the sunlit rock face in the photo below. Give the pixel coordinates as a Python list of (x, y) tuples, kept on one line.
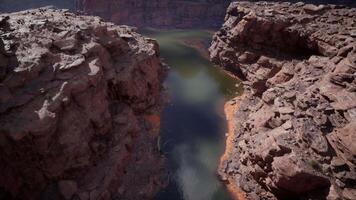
[(79, 104), (158, 13), (294, 131)]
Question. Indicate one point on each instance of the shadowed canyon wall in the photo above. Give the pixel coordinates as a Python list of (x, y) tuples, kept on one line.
[(152, 13), (166, 13), (158, 13)]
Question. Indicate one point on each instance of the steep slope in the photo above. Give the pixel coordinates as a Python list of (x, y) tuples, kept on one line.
[(79, 104), (292, 135)]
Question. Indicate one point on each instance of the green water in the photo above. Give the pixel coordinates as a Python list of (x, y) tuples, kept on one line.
[(193, 126)]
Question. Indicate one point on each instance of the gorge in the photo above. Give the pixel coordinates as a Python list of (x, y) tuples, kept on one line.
[(92, 108), (192, 122)]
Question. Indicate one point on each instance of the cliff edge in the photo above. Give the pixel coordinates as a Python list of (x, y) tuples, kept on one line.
[(293, 133), (79, 108)]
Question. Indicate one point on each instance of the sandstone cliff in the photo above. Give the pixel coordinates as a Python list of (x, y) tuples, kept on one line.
[(293, 134), (79, 104), (159, 13), (197, 14)]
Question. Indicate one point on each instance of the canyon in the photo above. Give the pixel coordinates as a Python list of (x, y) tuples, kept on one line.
[(79, 108), (292, 134), (84, 110)]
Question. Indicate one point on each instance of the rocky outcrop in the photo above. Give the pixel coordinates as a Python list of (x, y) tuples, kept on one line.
[(79, 105), (293, 133), (159, 13)]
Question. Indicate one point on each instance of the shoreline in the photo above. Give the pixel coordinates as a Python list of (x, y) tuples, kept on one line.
[(203, 50), (229, 109), (198, 45)]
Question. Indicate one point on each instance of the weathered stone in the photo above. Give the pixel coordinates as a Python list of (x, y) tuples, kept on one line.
[(72, 115), (342, 140), (310, 8), (333, 194), (298, 61), (288, 125), (295, 178), (285, 110), (80, 60), (66, 44)]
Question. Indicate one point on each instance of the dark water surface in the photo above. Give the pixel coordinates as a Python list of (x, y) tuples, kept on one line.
[(193, 126)]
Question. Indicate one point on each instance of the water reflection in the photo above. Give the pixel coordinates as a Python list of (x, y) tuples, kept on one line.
[(195, 90), (192, 127), (195, 169)]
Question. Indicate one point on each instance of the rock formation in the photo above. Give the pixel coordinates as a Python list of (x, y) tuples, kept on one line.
[(159, 13), (79, 104), (293, 134), (207, 14)]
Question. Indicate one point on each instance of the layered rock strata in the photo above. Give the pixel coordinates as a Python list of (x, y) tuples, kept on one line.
[(159, 13), (293, 134), (197, 14), (79, 105)]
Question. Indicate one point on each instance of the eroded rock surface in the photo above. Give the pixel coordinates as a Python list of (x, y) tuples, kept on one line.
[(79, 104), (294, 133)]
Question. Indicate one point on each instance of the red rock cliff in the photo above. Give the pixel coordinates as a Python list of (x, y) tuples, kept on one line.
[(293, 135), (158, 13), (77, 99)]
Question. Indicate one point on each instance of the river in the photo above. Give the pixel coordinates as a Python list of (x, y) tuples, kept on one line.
[(193, 126)]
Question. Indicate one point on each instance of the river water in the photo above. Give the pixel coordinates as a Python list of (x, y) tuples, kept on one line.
[(192, 123)]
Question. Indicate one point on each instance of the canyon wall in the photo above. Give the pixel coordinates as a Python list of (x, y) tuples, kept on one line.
[(293, 133), (18, 5), (158, 13), (79, 108), (206, 14)]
